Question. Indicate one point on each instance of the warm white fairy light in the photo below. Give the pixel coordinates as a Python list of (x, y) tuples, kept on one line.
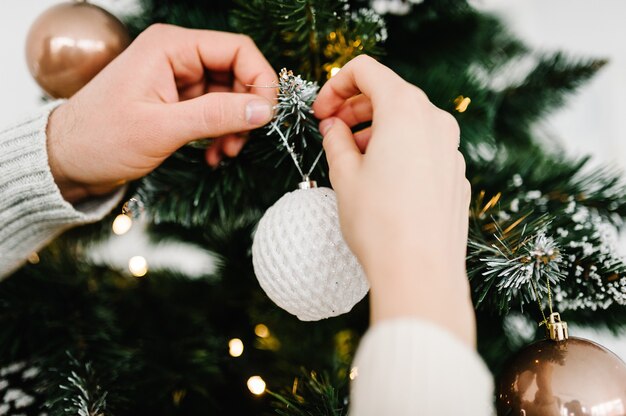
[(122, 224), (334, 70), (138, 266), (256, 385), (262, 331), (354, 373), (235, 347), (33, 258), (461, 103)]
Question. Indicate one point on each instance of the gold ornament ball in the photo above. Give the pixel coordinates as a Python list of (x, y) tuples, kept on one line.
[(575, 377), (70, 43)]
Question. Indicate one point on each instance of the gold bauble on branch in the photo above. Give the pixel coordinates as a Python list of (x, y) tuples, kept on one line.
[(70, 43), (573, 377)]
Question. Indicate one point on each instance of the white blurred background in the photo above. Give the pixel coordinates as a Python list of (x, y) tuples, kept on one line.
[(592, 122)]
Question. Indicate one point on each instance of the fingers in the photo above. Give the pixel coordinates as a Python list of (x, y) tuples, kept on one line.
[(191, 91), (211, 115), (355, 110), (361, 75), (222, 51), (191, 52), (228, 146), (362, 138), (233, 145), (213, 154), (342, 152)]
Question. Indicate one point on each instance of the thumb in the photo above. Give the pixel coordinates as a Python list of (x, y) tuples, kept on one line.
[(342, 152), (213, 115)]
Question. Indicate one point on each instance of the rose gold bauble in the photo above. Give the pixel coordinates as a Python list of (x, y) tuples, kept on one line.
[(574, 377), (70, 43)]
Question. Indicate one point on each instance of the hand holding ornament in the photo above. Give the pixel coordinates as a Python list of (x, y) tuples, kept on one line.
[(402, 194), (169, 87)]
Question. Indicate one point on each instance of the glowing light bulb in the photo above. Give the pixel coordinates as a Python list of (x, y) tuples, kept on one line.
[(256, 385), (122, 224), (354, 373), (33, 258), (138, 266), (461, 103), (262, 331), (235, 347), (334, 70)]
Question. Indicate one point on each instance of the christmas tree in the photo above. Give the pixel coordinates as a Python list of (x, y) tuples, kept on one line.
[(81, 338)]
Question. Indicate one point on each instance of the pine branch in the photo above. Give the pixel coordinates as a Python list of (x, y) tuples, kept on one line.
[(158, 345), (294, 125), (313, 395), (518, 265), (589, 275), (310, 36), (300, 27), (19, 388), (79, 392), (450, 33), (186, 13), (543, 91), (184, 189)]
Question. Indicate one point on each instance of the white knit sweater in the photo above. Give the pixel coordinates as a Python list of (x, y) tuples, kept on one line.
[(403, 367), (32, 210)]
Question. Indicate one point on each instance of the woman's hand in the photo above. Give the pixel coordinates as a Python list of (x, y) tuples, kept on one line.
[(402, 194), (169, 87)]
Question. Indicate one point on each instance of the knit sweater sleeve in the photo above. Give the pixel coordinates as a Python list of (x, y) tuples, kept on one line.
[(32, 210), (410, 367)]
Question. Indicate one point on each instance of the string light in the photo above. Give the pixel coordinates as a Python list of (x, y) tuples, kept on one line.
[(122, 224), (33, 258), (138, 266), (235, 347), (342, 45), (340, 50), (354, 373), (178, 396), (262, 331), (256, 385), (461, 103)]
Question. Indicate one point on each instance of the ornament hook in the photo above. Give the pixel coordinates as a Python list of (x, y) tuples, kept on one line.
[(307, 183), (557, 329)]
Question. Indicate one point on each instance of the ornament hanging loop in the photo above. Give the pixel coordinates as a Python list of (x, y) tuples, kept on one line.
[(556, 329), (307, 183)]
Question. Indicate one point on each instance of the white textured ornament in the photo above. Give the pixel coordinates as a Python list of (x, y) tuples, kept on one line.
[(301, 259)]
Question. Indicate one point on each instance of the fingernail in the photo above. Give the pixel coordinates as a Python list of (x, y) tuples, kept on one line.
[(325, 125), (258, 112)]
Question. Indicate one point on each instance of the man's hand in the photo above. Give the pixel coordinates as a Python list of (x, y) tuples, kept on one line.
[(169, 87)]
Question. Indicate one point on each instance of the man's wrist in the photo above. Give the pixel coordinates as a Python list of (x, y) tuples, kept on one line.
[(57, 124)]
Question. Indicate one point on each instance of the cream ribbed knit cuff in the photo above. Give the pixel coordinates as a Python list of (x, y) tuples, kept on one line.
[(32, 210), (411, 367)]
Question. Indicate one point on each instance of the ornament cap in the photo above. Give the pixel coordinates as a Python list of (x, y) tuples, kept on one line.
[(307, 183), (557, 329)]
